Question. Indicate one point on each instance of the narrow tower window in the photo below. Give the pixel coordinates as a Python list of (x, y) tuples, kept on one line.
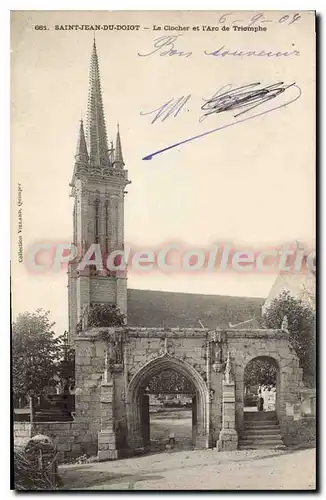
[(97, 221), (75, 224), (107, 227)]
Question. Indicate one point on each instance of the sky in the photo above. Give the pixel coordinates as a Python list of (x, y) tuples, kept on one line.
[(251, 185)]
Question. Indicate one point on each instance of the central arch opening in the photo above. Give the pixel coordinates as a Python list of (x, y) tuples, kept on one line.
[(167, 406), (169, 416)]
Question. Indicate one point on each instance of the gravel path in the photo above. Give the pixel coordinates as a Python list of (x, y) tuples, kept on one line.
[(198, 469)]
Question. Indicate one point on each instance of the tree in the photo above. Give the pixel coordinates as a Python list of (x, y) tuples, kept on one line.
[(66, 366), (105, 315), (35, 353), (260, 372), (301, 326)]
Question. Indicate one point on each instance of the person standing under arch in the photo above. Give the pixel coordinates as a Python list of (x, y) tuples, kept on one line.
[(260, 402)]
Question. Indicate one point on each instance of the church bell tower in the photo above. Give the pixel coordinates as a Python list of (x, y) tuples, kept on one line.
[(98, 187)]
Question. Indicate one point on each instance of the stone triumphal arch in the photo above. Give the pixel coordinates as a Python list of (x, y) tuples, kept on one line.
[(114, 367)]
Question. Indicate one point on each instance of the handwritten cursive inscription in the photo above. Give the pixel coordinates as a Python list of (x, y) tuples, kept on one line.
[(165, 46), (246, 96), (222, 52)]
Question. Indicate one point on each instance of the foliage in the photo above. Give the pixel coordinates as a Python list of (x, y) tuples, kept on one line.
[(105, 315), (66, 368), (35, 353), (35, 467), (260, 372), (301, 326)]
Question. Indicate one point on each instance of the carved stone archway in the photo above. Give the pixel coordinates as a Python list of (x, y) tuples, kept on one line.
[(288, 375), (169, 381), (190, 379)]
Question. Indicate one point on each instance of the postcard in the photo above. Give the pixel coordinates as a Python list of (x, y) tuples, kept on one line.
[(163, 250)]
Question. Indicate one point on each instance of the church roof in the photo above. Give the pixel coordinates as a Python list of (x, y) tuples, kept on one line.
[(152, 308)]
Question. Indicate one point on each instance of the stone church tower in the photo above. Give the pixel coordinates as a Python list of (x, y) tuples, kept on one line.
[(98, 187)]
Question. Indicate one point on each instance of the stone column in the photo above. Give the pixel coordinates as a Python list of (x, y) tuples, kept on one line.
[(228, 438), (210, 393), (216, 384), (107, 449)]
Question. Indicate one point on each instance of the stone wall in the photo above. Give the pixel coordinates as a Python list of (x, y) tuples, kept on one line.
[(66, 436), (102, 289), (121, 295), (70, 438), (72, 302), (90, 360), (300, 432), (146, 344), (22, 430), (299, 426), (308, 402)]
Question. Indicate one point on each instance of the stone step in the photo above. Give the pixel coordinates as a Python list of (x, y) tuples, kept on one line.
[(263, 421), (260, 432), (261, 442), (259, 416), (260, 424), (266, 441), (261, 435), (261, 445), (261, 428), (265, 437)]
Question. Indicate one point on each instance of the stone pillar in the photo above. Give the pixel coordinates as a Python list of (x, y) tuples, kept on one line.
[(109, 440), (121, 295), (107, 449), (210, 393), (228, 438), (135, 441), (218, 341)]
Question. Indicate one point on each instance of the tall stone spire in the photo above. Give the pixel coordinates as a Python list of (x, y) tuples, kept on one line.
[(81, 150), (98, 191), (118, 158), (96, 129)]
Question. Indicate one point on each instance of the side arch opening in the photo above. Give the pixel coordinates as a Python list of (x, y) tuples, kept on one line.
[(261, 388)]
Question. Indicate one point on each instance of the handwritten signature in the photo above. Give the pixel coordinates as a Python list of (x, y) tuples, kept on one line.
[(172, 107), (246, 96), (227, 98)]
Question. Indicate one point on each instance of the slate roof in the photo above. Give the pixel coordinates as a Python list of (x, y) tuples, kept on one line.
[(152, 308)]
